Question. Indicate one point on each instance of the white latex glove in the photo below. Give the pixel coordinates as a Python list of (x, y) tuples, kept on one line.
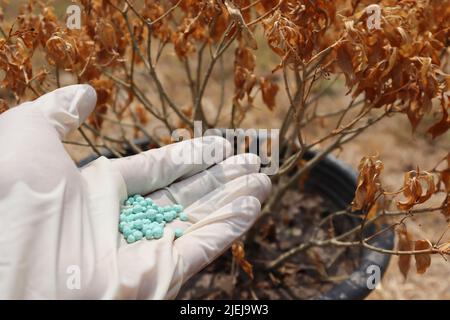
[(59, 222)]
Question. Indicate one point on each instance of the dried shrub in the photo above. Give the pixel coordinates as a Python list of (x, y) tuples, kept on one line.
[(400, 67)]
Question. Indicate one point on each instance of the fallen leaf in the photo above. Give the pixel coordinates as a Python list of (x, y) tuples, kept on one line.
[(237, 249)]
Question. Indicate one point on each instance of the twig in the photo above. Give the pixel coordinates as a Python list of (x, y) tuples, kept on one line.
[(91, 144), (222, 92), (336, 240), (192, 86), (165, 14), (152, 72), (58, 83), (250, 5), (265, 14), (81, 144), (99, 134), (221, 48)]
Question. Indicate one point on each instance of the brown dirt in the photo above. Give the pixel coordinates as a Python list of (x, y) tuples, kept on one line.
[(305, 276)]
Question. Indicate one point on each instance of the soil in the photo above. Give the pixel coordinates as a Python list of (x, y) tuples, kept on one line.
[(305, 276)]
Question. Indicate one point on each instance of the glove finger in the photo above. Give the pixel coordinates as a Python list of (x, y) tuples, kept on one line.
[(156, 269), (195, 187), (208, 239), (157, 168), (146, 268), (66, 108), (257, 185)]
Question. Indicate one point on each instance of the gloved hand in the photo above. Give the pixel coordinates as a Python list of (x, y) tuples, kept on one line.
[(60, 237)]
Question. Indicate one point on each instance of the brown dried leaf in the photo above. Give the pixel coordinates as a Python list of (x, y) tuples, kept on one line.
[(237, 249), (391, 63), (269, 91), (369, 185), (106, 34), (423, 260), (142, 114), (404, 244), (372, 212), (443, 125), (413, 189), (61, 51), (245, 58), (105, 90)]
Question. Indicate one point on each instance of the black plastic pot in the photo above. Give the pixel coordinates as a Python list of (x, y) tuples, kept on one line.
[(335, 182)]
